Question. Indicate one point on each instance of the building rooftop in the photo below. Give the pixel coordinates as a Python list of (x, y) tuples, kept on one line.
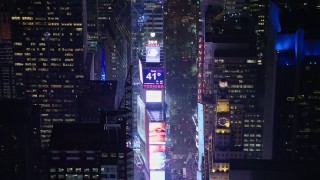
[(88, 136)]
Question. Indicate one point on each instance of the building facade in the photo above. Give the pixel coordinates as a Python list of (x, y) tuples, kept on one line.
[(101, 153), (151, 121), (7, 87), (48, 58), (296, 84), (20, 154), (232, 51)]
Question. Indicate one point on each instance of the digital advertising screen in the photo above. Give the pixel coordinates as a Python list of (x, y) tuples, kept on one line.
[(157, 132), (153, 96), (157, 156), (140, 72), (157, 175), (143, 153), (141, 118), (157, 148), (153, 54), (153, 78), (201, 134)]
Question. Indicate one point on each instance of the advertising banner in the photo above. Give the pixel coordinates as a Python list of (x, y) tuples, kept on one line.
[(153, 78), (153, 96), (157, 132), (153, 54), (157, 156), (157, 175), (141, 118)]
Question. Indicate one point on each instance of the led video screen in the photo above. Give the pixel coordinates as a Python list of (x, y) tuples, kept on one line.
[(157, 156), (201, 134), (153, 54), (157, 175), (157, 132), (153, 96), (140, 72), (157, 148), (153, 78), (141, 118)]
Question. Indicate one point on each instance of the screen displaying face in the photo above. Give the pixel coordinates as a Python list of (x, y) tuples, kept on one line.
[(157, 133)]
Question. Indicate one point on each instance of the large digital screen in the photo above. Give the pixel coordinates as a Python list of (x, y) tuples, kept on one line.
[(140, 72), (157, 175), (141, 118), (157, 132), (201, 134), (157, 148), (153, 96), (153, 54), (153, 78), (157, 156)]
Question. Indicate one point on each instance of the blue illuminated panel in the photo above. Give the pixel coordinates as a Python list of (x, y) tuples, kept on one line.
[(102, 65), (153, 78), (200, 139)]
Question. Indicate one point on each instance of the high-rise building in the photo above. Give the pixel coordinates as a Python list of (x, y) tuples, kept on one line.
[(19, 140), (7, 87), (231, 51), (108, 54), (137, 20), (48, 58), (151, 99), (294, 55), (100, 153), (225, 140)]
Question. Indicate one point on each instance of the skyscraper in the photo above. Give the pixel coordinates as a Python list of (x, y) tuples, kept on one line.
[(296, 83), (48, 58), (7, 88), (232, 51), (151, 99), (108, 40), (100, 153)]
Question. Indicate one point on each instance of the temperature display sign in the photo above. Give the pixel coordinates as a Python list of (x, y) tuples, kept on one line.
[(153, 78)]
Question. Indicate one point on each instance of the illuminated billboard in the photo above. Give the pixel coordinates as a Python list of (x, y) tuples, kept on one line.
[(157, 132), (157, 148), (153, 96), (153, 54), (153, 78), (157, 175), (141, 118), (140, 72), (200, 138), (157, 156)]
